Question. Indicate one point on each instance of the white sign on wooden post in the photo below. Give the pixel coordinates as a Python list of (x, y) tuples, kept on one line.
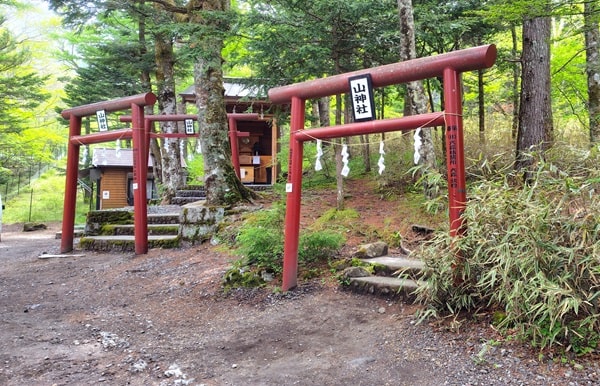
[(189, 126), (101, 118), (361, 92)]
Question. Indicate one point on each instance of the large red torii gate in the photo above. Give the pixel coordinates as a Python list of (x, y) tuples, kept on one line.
[(449, 66)]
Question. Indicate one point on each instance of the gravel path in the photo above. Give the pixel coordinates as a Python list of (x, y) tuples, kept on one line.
[(162, 319)]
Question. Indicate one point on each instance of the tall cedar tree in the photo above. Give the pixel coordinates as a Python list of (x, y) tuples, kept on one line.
[(415, 92), (211, 20), (592, 53), (535, 118)]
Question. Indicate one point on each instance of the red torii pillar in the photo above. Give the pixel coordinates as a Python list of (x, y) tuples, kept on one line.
[(449, 66), (140, 162)]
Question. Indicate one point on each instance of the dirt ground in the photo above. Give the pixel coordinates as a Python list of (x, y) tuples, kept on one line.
[(163, 319)]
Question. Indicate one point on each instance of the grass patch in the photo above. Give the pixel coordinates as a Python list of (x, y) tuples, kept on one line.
[(42, 201), (260, 242)]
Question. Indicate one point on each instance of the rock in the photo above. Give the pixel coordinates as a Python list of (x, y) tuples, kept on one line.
[(422, 229), (174, 371), (376, 249), (355, 272), (31, 226), (139, 366)]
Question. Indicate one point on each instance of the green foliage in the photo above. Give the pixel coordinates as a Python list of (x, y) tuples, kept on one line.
[(260, 241), (195, 169), (261, 246), (319, 246), (531, 252), (22, 87), (23, 93), (292, 41)]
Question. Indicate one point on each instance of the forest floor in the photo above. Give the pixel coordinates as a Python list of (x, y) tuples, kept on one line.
[(163, 319)]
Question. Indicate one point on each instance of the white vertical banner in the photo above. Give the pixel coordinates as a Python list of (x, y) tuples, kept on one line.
[(381, 161), (418, 144), (345, 169), (318, 165)]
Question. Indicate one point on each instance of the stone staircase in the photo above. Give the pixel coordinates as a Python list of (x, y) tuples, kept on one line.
[(168, 226), (113, 230), (397, 275), (193, 193), (189, 194)]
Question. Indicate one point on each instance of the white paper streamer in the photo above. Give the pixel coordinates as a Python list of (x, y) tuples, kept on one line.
[(118, 150), (345, 169), (318, 165), (418, 143), (380, 163), (84, 155)]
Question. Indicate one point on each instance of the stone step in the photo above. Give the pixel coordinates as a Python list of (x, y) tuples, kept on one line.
[(385, 285), (78, 231), (190, 193), (194, 187), (260, 187), (399, 265), (186, 200), (125, 243), (391, 276), (163, 218), (129, 230)]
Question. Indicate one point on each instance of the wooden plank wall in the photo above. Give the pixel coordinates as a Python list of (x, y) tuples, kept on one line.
[(115, 182)]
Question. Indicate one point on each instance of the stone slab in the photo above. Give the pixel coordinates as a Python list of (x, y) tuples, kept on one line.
[(397, 262), (131, 238), (385, 285)]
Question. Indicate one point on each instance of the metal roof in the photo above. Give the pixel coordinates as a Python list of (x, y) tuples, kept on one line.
[(103, 157), (235, 88)]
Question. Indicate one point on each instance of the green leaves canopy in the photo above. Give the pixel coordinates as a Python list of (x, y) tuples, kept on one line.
[(22, 88)]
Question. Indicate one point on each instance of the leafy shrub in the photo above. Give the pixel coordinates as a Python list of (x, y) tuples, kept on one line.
[(262, 247), (260, 239), (260, 242), (530, 251), (318, 246)]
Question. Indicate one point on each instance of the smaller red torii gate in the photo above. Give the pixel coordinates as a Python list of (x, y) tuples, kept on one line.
[(137, 133), (140, 133), (449, 66)]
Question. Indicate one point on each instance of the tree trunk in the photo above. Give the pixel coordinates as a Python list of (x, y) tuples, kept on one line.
[(173, 177), (592, 67), (535, 114), (366, 150), (220, 181), (338, 157), (415, 90), (323, 107), (146, 82), (515, 84), (481, 105)]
